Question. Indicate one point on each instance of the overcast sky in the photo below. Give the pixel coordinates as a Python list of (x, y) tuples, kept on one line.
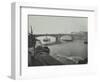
[(55, 24)]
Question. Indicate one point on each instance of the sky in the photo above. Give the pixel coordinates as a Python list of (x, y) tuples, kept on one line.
[(56, 24)]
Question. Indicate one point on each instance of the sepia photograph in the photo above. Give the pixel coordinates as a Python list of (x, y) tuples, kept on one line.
[(57, 40)]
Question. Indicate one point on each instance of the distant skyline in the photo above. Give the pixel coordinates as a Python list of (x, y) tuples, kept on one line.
[(55, 24)]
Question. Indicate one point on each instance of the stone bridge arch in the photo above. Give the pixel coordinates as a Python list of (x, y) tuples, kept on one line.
[(56, 36)]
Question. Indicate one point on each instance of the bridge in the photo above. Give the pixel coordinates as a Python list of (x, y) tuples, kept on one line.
[(57, 36)]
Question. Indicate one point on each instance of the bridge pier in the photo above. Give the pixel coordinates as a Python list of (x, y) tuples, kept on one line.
[(57, 38)]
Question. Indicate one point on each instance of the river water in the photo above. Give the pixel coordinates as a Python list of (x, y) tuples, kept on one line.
[(74, 50)]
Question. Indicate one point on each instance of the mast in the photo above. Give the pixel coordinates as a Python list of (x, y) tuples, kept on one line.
[(31, 30)]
